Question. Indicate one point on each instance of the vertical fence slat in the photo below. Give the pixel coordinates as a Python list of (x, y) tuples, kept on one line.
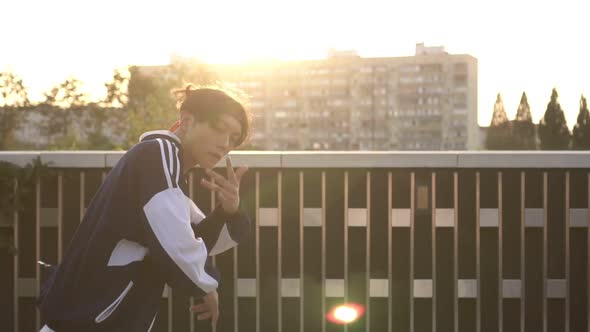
[(257, 244), (522, 252), (389, 253), (346, 279), (15, 264), (456, 251), (367, 256), (60, 215), (279, 252), (478, 249), (433, 247), (301, 254), (82, 194), (37, 246), (500, 260), (412, 234), (323, 240), (567, 251), (545, 218)]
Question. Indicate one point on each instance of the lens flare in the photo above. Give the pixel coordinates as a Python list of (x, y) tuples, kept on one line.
[(345, 313)]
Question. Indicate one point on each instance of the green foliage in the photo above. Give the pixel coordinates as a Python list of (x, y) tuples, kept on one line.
[(117, 90), (151, 105), (581, 135), (553, 131), (499, 132), (67, 94), (14, 97), (523, 128), (14, 199)]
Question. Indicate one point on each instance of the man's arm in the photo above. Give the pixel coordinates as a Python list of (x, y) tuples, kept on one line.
[(227, 225), (166, 221), (220, 231)]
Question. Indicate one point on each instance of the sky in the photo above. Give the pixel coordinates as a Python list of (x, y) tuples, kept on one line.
[(523, 45)]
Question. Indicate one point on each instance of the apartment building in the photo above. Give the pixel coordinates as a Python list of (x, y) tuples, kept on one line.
[(346, 102)]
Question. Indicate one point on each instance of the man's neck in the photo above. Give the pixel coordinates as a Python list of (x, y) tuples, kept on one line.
[(187, 162)]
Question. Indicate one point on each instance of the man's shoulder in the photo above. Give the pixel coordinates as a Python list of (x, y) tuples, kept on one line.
[(147, 149)]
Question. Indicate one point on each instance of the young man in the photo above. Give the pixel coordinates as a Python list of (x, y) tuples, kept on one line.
[(141, 231)]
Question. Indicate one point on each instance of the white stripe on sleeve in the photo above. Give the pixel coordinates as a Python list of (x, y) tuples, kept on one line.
[(164, 165), (196, 214), (168, 218), (223, 243), (177, 164), (170, 156)]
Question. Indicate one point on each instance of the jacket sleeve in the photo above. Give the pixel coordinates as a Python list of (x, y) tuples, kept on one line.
[(166, 220), (219, 230)]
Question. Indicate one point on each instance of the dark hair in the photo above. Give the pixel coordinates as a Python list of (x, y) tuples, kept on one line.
[(208, 103)]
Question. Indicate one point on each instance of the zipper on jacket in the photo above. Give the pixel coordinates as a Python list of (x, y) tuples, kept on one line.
[(111, 308)]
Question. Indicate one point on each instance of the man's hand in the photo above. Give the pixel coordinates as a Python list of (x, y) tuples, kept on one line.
[(228, 190), (208, 309)]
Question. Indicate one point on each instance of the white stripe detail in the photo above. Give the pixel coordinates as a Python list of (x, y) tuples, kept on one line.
[(196, 214), (46, 328), (111, 308), (170, 156), (127, 252), (164, 166), (223, 243), (152, 324), (177, 165), (168, 217), (160, 132)]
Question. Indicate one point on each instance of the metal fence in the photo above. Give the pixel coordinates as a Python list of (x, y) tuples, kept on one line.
[(423, 241)]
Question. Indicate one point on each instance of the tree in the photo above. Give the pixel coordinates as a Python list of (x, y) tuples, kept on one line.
[(499, 136), (150, 104), (117, 90), (581, 136), (523, 128), (553, 131), (67, 94), (14, 98), (64, 101), (13, 91)]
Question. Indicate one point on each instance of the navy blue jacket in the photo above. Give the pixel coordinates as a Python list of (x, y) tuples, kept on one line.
[(140, 232)]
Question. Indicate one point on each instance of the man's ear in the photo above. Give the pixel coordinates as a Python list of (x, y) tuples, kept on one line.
[(186, 120)]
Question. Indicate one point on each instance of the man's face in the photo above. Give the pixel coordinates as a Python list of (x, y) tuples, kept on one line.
[(208, 142)]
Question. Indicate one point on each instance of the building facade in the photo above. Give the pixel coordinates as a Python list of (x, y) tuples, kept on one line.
[(345, 102)]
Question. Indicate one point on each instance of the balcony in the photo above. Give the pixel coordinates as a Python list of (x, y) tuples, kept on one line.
[(459, 241)]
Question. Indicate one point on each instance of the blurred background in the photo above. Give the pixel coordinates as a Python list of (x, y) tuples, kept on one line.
[(326, 75)]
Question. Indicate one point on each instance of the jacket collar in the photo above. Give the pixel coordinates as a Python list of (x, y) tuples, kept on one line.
[(160, 133)]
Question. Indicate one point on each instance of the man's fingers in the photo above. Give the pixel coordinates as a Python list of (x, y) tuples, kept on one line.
[(240, 172), (220, 196), (227, 192), (218, 178), (210, 185), (231, 175), (214, 319), (199, 307), (205, 315), (223, 193)]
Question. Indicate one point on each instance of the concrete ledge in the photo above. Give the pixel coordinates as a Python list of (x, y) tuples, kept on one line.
[(364, 159), (524, 159), (334, 159), (253, 159), (65, 159), (112, 158), (19, 158)]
